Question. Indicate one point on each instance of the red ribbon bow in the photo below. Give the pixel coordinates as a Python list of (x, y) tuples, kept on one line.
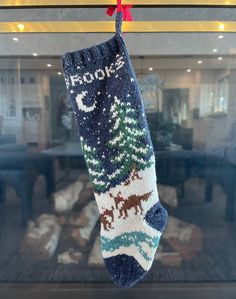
[(124, 8)]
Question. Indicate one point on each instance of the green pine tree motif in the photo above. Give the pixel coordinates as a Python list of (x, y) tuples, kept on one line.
[(127, 139), (96, 171)]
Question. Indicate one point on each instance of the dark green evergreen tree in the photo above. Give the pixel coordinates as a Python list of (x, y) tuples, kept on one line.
[(96, 171), (127, 140)]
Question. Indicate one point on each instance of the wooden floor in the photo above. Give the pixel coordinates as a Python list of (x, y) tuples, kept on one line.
[(102, 291)]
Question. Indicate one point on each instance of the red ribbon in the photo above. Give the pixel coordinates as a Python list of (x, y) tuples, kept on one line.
[(124, 8)]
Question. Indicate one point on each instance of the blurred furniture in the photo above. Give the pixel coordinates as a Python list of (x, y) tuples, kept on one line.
[(183, 137), (164, 134), (168, 134), (7, 139), (21, 169), (228, 150), (175, 167), (13, 147), (67, 151)]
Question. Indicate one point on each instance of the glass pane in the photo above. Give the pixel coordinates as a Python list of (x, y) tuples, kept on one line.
[(49, 221)]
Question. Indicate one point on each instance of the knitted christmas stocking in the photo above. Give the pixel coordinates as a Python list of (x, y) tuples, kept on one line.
[(119, 154)]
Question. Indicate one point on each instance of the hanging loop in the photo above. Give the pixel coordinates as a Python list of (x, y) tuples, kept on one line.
[(119, 22)]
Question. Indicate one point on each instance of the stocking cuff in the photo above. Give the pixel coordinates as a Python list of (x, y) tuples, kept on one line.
[(93, 54), (96, 53)]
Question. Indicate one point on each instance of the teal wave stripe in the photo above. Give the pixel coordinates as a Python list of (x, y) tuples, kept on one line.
[(136, 238)]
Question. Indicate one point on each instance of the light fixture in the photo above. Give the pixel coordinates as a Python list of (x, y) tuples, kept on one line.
[(150, 69), (188, 70), (220, 58), (21, 27), (199, 62), (35, 54), (221, 26), (49, 65), (215, 50), (220, 36), (59, 73), (15, 39)]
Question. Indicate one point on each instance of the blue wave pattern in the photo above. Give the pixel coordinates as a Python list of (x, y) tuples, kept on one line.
[(136, 238)]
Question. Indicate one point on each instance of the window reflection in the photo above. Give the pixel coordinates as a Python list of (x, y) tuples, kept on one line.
[(49, 228)]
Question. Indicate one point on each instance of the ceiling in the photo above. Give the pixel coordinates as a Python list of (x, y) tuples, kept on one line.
[(154, 44)]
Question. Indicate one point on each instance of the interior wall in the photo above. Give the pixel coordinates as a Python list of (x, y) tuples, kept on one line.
[(25, 98), (208, 131)]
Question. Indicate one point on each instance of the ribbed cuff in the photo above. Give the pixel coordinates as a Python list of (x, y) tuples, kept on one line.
[(93, 54)]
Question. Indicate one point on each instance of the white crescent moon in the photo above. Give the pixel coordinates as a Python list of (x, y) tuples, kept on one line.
[(79, 100)]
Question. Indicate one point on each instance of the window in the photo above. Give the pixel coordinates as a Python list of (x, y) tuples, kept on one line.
[(222, 95), (215, 96), (49, 221), (31, 80)]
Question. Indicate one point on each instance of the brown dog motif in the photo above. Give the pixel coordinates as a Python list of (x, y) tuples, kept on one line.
[(104, 218), (134, 201), (118, 199)]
